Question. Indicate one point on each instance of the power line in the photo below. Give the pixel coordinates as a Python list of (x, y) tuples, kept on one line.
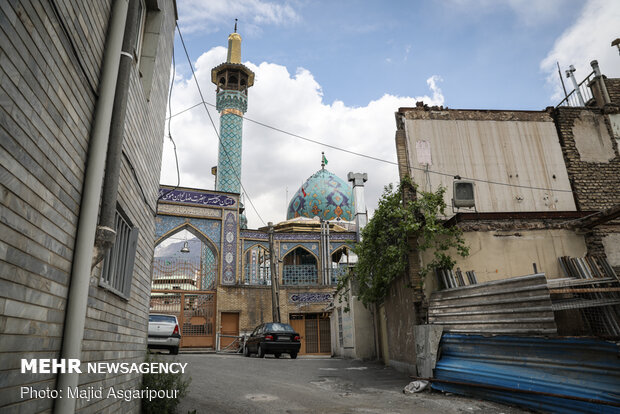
[(174, 145), (202, 101), (379, 159)]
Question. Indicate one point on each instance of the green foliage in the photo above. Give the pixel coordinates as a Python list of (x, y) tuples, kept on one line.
[(163, 381), (391, 234)]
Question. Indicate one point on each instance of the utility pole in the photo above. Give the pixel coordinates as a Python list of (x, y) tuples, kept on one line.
[(275, 292)]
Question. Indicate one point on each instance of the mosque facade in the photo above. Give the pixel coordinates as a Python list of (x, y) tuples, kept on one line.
[(225, 289)]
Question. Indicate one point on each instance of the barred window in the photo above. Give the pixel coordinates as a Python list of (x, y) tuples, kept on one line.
[(118, 264)]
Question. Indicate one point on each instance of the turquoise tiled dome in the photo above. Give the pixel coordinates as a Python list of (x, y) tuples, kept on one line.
[(326, 196)]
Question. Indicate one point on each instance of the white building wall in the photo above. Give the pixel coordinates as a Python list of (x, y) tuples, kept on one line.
[(518, 152)]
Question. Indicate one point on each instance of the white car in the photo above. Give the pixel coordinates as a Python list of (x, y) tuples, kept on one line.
[(164, 332)]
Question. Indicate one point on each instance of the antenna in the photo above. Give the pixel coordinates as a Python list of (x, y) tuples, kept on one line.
[(562, 80), (236, 25)]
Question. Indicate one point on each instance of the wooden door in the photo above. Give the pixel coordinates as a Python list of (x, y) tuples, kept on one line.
[(230, 328), (297, 322)]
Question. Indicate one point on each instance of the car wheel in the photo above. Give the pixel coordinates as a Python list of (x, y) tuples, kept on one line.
[(293, 355), (277, 355), (246, 351), (260, 353), (174, 350)]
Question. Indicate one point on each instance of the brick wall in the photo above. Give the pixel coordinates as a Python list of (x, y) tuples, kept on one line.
[(595, 184), (48, 79), (613, 88), (253, 303)]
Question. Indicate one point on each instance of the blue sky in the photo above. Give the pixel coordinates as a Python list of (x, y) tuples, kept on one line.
[(336, 71)]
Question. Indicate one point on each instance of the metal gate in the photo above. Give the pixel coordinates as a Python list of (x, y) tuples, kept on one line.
[(195, 312), (314, 329), (186, 289)]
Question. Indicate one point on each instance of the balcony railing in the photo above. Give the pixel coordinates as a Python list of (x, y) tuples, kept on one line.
[(579, 96)]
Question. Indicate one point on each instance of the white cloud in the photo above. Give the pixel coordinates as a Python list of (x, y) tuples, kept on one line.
[(437, 94), (588, 39), (208, 15), (273, 161)]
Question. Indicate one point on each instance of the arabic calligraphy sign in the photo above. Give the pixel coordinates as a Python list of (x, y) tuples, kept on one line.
[(309, 297), (197, 198)]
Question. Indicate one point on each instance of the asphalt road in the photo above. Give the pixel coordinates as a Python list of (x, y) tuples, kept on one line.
[(235, 384)]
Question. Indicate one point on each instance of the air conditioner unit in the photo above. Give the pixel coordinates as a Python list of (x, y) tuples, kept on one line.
[(463, 194)]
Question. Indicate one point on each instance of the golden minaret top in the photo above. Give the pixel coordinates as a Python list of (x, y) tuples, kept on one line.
[(234, 47)]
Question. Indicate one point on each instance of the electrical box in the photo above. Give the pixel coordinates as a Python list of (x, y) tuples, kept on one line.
[(463, 194)]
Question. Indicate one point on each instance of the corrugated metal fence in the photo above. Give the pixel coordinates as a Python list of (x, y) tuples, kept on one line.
[(519, 305), (577, 367)]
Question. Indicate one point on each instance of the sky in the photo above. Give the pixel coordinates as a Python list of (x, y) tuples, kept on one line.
[(336, 72)]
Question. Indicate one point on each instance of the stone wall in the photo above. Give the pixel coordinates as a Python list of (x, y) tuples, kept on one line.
[(49, 74)]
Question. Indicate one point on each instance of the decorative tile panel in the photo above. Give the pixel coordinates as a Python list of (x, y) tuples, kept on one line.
[(229, 249), (210, 228), (337, 245), (231, 105), (251, 243), (248, 234), (285, 248), (297, 236)]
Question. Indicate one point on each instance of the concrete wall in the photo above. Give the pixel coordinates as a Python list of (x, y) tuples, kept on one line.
[(48, 89), (514, 147), (496, 255), (400, 318), (358, 329)]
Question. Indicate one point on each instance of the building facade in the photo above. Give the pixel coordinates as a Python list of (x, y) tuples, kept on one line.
[(533, 192), (60, 70), (226, 290)]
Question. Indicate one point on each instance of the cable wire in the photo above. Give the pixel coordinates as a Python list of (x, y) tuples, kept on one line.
[(174, 145), (204, 103), (358, 154)]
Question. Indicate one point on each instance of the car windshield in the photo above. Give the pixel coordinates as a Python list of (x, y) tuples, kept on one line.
[(279, 327), (161, 318)]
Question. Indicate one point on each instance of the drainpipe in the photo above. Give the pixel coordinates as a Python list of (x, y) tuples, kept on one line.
[(75, 313), (106, 232)]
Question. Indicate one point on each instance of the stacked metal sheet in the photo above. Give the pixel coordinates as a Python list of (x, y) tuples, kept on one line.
[(449, 279), (519, 305), (591, 291), (586, 267)]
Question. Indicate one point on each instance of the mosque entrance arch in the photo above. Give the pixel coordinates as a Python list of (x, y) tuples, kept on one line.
[(183, 283)]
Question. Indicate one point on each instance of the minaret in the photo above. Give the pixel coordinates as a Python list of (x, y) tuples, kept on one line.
[(232, 79)]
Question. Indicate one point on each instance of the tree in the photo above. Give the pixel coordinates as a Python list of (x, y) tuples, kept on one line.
[(385, 246)]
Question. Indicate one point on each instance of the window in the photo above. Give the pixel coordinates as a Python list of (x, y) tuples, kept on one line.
[(140, 31), (151, 20), (117, 270)]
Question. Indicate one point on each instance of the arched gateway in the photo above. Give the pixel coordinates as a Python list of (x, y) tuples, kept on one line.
[(195, 251)]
